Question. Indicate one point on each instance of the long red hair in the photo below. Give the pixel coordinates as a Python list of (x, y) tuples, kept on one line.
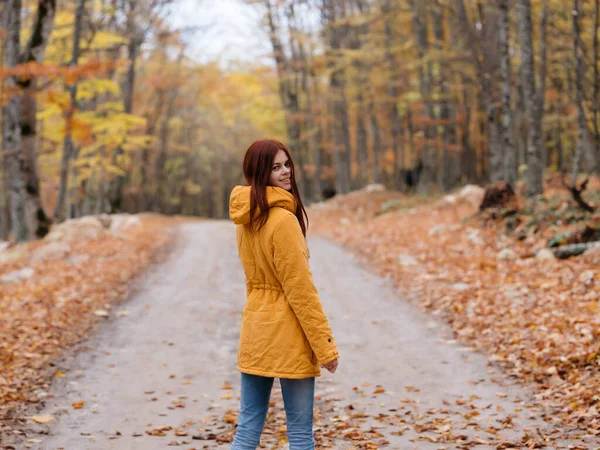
[(257, 171)]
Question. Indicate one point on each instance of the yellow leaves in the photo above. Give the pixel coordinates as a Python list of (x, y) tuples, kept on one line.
[(114, 170), (136, 142), (43, 419), (191, 188), (91, 87), (50, 110), (78, 405), (104, 40), (230, 419)]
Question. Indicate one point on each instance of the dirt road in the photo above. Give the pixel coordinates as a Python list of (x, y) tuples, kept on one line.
[(162, 359)]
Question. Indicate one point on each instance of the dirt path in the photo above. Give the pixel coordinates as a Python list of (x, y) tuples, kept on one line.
[(165, 361)]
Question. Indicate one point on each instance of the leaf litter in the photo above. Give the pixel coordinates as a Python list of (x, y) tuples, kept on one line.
[(44, 315)]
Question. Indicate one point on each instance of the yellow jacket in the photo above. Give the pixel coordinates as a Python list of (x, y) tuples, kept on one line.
[(285, 333)]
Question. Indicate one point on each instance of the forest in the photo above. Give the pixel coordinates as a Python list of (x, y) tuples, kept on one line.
[(104, 110)]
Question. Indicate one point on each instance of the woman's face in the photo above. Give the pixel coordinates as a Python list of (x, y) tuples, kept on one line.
[(281, 173)]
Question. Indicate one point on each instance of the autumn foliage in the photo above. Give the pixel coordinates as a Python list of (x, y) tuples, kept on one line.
[(535, 317), (46, 314)]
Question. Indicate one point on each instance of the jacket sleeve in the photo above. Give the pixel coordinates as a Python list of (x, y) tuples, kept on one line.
[(290, 257)]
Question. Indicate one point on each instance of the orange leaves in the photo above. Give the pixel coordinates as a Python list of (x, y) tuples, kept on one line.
[(56, 307), (538, 319), (159, 431), (81, 131), (69, 74)]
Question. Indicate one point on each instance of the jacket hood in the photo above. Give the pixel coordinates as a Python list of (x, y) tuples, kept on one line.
[(239, 202)]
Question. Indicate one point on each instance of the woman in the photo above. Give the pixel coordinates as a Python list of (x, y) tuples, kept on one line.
[(285, 333)]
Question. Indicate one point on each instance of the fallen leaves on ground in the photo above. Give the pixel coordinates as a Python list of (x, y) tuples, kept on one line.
[(47, 313), (462, 424), (539, 319)]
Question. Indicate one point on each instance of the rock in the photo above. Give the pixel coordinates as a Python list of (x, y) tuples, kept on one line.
[(77, 259), (105, 220), (50, 252), (17, 275), (87, 227), (592, 251), (13, 254), (4, 245), (471, 193), (124, 222), (374, 188), (560, 239), (407, 260), (507, 254), (545, 254), (587, 276), (474, 237), (436, 230), (318, 205), (450, 199), (512, 294), (460, 287), (390, 205)]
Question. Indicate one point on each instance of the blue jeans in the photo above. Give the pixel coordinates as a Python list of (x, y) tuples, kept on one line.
[(298, 401)]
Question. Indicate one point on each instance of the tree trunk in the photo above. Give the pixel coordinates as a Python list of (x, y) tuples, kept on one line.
[(584, 148), (161, 194), (393, 94), (294, 86), (288, 92), (341, 134), (362, 175), (469, 157), (361, 144), (535, 169), (596, 83), (428, 156), (342, 147), (311, 131), (68, 139), (152, 118), (483, 62), (450, 167), (38, 223), (375, 138), (13, 152), (510, 160), (133, 45), (540, 95)]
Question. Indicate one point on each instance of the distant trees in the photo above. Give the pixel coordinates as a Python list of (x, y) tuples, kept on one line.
[(103, 111), (460, 84)]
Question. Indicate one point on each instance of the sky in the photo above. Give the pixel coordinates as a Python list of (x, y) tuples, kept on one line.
[(223, 30)]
